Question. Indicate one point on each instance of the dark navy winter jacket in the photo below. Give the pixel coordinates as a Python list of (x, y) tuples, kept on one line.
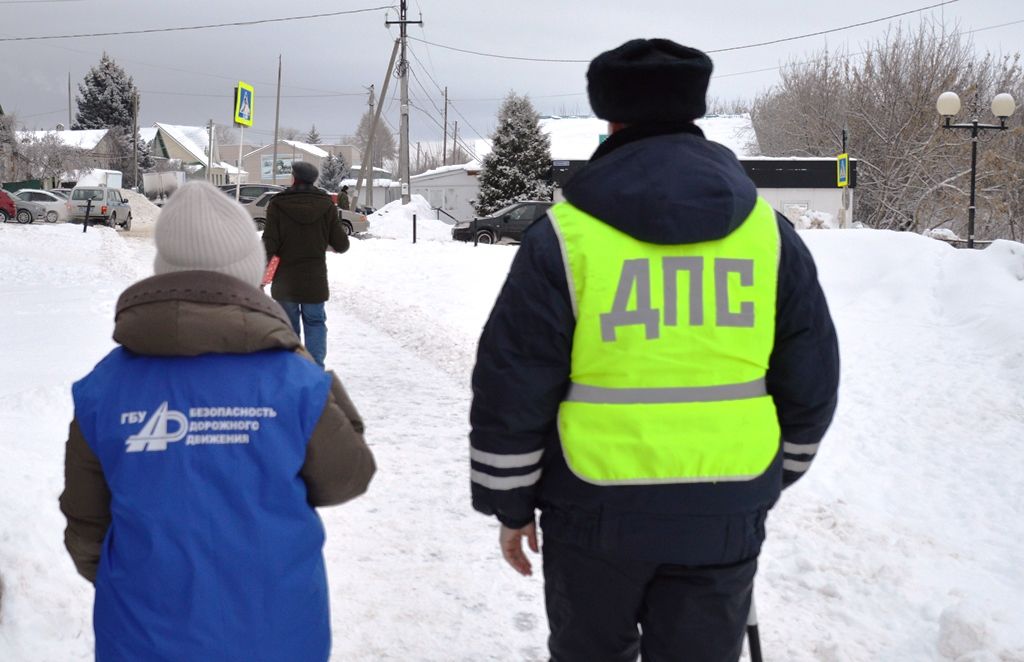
[(664, 185)]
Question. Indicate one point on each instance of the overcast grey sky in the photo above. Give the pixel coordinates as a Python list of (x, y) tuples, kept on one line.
[(187, 77)]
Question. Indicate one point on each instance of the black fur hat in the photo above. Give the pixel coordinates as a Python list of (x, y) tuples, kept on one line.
[(648, 81)]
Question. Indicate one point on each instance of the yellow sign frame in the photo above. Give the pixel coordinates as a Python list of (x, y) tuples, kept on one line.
[(842, 170), (245, 102)]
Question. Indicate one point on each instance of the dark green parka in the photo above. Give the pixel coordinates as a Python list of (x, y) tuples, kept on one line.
[(302, 223)]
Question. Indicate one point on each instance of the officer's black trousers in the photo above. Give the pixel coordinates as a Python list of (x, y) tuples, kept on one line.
[(686, 614)]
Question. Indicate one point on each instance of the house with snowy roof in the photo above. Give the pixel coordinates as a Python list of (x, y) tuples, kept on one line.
[(258, 162), (797, 187), (190, 145), (451, 189), (96, 145)]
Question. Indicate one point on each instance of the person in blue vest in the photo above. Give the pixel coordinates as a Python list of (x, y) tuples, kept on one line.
[(658, 366), (199, 450)]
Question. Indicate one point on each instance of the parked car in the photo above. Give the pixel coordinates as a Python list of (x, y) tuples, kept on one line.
[(56, 207), (509, 223), (249, 192), (8, 210), (352, 222), (26, 211), (258, 209), (108, 206)]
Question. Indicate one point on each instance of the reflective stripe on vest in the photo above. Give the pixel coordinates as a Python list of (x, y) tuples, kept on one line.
[(670, 353)]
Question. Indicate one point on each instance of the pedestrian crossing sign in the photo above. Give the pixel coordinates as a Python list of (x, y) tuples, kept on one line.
[(244, 95), (842, 170)]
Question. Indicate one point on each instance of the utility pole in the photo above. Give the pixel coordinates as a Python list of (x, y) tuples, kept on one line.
[(444, 148), (69, 101), (373, 129), (369, 141), (403, 129), (277, 117), (209, 152), (135, 139), (455, 141)]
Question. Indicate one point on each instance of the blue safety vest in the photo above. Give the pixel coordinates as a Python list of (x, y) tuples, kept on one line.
[(213, 552)]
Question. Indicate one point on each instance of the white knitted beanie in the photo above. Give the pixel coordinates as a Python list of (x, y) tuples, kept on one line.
[(202, 228)]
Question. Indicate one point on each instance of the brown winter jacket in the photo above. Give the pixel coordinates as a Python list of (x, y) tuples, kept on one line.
[(302, 223), (198, 312)]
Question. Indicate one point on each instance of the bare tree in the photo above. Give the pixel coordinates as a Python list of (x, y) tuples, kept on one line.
[(717, 106), (912, 174), (48, 157), (384, 148)]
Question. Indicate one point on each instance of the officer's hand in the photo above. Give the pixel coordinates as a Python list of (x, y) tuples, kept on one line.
[(512, 547)]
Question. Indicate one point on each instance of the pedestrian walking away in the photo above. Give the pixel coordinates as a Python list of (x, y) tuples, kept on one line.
[(199, 450), (302, 224), (659, 365), (343, 202)]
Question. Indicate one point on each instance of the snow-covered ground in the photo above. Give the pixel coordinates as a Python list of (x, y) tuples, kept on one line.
[(902, 544)]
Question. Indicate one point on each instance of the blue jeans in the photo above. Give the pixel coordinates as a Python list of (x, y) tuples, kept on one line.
[(314, 321)]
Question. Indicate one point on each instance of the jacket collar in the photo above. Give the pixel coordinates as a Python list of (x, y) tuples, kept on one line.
[(198, 312), (636, 132)]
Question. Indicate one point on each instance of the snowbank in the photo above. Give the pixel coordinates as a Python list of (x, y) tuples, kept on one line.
[(394, 221), (144, 213), (817, 220)]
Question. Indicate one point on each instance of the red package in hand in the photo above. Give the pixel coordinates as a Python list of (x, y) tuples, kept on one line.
[(268, 275)]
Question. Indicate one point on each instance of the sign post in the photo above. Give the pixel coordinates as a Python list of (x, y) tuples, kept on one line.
[(244, 101)]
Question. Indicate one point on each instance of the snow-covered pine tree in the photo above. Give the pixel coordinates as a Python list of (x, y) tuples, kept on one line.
[(146, 160), (313, 137), (105, 98), (517, 167), (105, 102), (332, 171)]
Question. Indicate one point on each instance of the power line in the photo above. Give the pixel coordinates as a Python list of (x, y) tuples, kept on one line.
[(438, 86), (283, 96), (822, 32), (197, 27), (717, 50)]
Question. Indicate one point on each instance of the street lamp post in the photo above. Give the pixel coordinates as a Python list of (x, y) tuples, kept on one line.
[(948, 106)]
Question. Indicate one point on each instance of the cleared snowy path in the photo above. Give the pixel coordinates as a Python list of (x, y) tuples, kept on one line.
[(415, 574)]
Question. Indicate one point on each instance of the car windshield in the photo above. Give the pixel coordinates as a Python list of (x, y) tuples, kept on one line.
[(506, 210), (87, 194)]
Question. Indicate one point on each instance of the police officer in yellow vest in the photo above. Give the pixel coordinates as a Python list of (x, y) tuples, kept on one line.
[(658, 366)]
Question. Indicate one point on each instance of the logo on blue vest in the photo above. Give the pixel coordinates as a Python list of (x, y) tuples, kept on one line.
[(155, 434), (200, 427)]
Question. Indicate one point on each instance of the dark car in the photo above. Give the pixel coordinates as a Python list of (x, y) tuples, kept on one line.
[(509, 223), (249, 192), (7, 208)]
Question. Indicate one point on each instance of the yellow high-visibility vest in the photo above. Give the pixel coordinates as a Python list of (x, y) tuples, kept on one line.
[(670, 353)]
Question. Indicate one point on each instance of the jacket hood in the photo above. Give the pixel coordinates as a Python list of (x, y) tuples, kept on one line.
[(664, 185), (302, 204), (188, 313)]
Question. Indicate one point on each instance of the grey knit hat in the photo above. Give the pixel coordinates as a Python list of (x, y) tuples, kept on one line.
[(202, 229), (305, 173)]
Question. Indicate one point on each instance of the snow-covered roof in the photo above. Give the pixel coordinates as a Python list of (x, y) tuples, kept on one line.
[(148, 133), (576, 138), (230, 169), (83, 139), (734, 131), (307, 147), (193, 139), (467, 167)]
